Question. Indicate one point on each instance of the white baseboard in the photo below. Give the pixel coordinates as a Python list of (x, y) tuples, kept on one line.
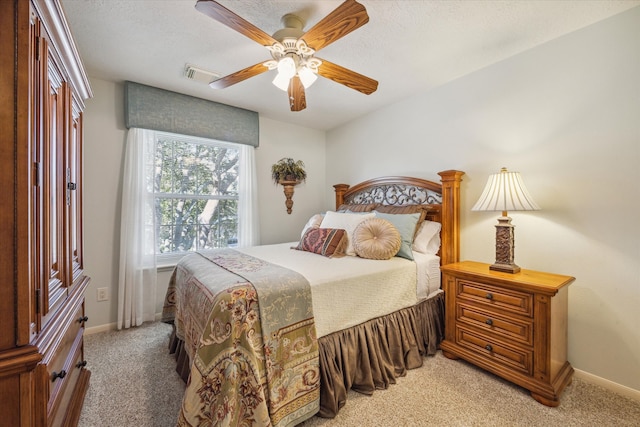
[(100, 328), (609, 385), (111, 326)]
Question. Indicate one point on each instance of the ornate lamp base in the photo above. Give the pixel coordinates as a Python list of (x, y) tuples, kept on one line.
[(505, 246)]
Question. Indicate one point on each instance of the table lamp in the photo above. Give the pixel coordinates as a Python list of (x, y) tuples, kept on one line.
[(505, 191)]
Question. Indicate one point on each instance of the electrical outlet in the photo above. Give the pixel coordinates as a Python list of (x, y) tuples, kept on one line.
[(103, 294)]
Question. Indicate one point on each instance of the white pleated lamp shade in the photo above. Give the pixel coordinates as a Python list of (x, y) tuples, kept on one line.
[(505, 191)]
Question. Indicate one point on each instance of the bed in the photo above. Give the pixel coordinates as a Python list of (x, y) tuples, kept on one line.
[(275, 334)]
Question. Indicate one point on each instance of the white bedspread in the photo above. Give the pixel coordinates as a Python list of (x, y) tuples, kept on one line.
[(350, 290)]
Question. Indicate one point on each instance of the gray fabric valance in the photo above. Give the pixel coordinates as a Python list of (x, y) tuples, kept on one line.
[(148, 107)]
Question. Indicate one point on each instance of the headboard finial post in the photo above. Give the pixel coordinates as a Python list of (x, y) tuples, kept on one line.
[(340, 189), (450, 248)]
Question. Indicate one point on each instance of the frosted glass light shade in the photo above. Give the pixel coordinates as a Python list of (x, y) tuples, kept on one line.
[(307, 77), (281, 82), (286, 70), (287, 67)]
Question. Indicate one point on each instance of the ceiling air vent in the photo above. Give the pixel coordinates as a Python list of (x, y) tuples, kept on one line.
[(199, 75)]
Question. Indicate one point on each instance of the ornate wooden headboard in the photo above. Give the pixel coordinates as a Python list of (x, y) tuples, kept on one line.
[(443, 201)]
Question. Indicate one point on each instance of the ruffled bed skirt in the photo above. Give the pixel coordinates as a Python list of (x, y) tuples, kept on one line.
[(368, 356)]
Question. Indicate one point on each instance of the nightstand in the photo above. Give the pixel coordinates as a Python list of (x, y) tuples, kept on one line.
[(513, 325)]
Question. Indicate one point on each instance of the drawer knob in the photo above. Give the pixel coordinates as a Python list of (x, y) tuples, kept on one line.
[(57, 375), (82, 319), (81, 364), (489, 322), (489, 295), (488, 347)]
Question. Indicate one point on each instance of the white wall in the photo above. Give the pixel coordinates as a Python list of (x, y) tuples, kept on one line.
[(567, 116), (278, 140), (105, 136)]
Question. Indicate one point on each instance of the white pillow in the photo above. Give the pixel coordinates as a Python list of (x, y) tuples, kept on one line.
[(346, 221), (314, 221), (427, 238)]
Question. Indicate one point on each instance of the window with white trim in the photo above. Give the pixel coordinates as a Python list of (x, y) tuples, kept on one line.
[(195, 185)]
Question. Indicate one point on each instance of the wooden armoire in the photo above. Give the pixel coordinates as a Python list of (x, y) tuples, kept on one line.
[(43, 373)]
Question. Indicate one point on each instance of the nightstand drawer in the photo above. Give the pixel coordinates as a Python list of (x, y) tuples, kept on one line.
[(495, 298), (514, 358), (492, 323)]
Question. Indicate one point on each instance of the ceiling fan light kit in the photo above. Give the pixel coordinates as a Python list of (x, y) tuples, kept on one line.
[(293, 50), (293, 57)]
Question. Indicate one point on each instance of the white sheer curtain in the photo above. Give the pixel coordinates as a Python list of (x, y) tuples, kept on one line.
[(248, 225), (138, 278), (137, 281)]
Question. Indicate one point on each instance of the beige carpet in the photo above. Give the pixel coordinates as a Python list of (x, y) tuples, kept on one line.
[(133, 383)]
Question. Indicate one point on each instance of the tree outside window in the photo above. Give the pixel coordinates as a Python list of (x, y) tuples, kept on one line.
[(195, 187)]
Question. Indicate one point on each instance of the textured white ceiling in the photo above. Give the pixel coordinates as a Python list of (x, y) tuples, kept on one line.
[(408, 46)]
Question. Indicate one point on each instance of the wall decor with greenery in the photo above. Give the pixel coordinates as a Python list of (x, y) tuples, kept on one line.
[(288, 173)]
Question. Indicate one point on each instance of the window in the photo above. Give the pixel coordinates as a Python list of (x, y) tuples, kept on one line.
[(179, 194), (195, 184)]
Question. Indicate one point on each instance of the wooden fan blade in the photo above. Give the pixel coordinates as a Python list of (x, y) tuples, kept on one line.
[(347, 17), (347, 77), (297, 98), (239, 76), (223, 15)]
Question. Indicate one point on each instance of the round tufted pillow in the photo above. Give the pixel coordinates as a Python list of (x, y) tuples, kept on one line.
[(376, 238)]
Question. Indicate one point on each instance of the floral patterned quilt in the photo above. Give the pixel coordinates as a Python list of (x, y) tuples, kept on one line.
[(249, 331)]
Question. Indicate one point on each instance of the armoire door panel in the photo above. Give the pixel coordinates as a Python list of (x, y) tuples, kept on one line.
[(37, 78), (73, 198), (54, 174)]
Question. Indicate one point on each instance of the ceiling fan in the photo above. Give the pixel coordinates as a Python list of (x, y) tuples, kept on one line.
[(293, 50)]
